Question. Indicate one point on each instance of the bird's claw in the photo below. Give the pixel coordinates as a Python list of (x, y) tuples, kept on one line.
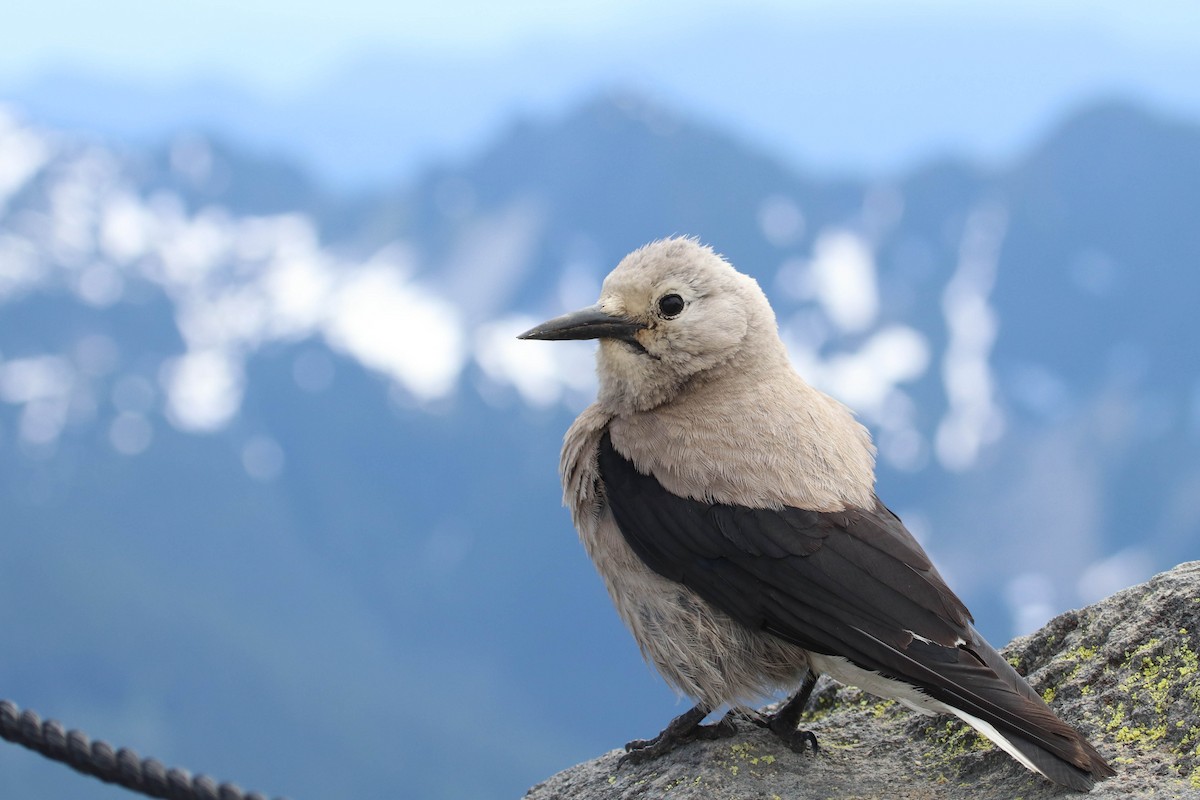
[(798, 740), (683, 729), (784, 726), (785, 722)]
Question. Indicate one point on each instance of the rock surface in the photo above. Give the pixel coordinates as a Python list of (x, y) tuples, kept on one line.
[(1124, 671)]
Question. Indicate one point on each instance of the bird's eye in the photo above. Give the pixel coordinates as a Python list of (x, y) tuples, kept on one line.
[(670, 305)]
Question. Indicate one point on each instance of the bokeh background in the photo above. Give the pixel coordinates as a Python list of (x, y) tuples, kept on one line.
[(278, 486)]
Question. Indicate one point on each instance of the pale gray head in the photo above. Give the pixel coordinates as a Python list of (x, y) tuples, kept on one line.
[(669, 313)]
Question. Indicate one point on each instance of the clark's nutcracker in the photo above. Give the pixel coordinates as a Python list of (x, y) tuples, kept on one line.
[(731, 510)]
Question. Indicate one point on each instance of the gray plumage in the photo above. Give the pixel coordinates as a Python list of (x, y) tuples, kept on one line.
[(730, 509)]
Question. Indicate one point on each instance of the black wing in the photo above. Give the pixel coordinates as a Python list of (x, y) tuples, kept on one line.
[(852, 583)]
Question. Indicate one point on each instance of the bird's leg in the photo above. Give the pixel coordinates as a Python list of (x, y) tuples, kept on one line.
[(684, 728), (783, 723)]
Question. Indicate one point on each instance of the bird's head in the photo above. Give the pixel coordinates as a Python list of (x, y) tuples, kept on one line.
[(669, 313)]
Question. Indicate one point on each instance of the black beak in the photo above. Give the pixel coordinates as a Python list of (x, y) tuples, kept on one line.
[(586, 323)]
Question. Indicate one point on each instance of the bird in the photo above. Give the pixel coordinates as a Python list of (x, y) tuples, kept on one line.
[(730, 509)]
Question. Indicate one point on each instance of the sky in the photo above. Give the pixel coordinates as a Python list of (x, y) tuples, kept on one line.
[(366, 91), (280, 46)]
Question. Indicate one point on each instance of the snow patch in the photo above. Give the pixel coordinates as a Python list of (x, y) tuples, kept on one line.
[(843, 280), (868, 380), (973, 419), (541, 374), (204, 389), (398, 329), (22, 154), (864, 378), (26, 380)]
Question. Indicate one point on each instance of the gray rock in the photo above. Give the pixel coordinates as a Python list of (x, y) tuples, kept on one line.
[(1124, 671)]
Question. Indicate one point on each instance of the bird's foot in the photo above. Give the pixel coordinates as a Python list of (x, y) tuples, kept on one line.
[(797, 740), (783, 723), (681, 730)]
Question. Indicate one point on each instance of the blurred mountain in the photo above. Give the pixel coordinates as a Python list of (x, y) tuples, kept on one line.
[(279, 483)]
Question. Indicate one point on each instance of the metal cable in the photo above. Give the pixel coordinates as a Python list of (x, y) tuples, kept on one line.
[(122, 767)]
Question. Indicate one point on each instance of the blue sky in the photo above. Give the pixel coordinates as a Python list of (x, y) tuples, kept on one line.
[(363, 90), (283, 44)]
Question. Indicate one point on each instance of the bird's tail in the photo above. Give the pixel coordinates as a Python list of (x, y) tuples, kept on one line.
[(1041, 760), (1072, 761)]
